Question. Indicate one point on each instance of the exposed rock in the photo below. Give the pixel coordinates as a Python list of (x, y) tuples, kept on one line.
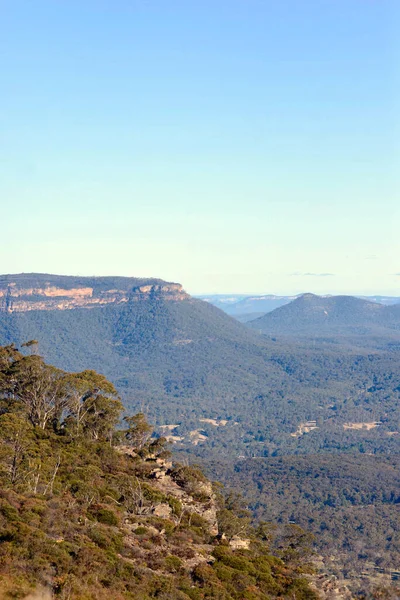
[(330, 588), (123, 449), (21, 293), (214, 422), (167, 464), (162, 510), (237, 543), (366, 425), (205, 488), (163, 482), (199, 559)]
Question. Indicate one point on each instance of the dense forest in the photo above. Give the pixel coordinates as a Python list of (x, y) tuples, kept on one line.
[(91, 511), (349, 502)]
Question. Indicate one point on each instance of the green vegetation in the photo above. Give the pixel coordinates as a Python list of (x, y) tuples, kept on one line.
[(90, 512), (343, 317), (350, 503)]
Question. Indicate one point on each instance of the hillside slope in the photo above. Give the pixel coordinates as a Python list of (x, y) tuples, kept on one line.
[(334, 316), (89, 512)]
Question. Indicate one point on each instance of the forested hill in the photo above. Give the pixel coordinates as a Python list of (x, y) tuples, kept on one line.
[(91, 512), (242, 306), (184, 343), (311, 315)]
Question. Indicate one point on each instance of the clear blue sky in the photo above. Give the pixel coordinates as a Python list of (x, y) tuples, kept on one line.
[(230, 145)]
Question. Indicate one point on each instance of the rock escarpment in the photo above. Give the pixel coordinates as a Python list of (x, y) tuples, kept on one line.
[(26, 292)]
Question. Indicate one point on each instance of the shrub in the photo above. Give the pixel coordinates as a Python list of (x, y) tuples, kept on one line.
[(185, 552), (223, 572), (172, 563), (193, 593), (191, 479), (205, 574), (176, 505), (8, 511), (153, 495), (162, 524), (106, 538), (141, 530), (235, 561), (104, 515)]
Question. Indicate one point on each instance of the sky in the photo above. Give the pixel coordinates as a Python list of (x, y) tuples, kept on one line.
[(234, 146)]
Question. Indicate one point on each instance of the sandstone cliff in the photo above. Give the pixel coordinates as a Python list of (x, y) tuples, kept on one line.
[(26, 292)]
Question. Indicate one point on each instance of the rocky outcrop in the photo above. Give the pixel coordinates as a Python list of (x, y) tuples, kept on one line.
[(206, 507), (238, 543), (330, 587), (166, 508), (22, 293)]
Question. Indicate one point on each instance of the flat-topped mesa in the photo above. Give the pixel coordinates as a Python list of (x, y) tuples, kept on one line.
[(26, 292), (169, 291)]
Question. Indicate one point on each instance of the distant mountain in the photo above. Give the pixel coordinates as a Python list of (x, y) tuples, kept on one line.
[(386, 300), (313, 315), (225, 302), (239, 306)]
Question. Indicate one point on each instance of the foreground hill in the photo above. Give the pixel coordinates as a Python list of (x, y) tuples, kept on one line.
[(88, 512)]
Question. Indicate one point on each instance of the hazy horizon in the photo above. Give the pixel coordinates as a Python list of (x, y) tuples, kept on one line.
[(212, 293)]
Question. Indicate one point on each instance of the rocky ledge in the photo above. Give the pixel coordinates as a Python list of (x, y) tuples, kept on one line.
[(26, 292)]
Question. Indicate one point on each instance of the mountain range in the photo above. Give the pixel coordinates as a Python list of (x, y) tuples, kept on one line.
[(217, 384), (237, 305), (245, 307)]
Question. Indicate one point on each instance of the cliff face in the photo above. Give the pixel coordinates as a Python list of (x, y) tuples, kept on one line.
[(21, 293)]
